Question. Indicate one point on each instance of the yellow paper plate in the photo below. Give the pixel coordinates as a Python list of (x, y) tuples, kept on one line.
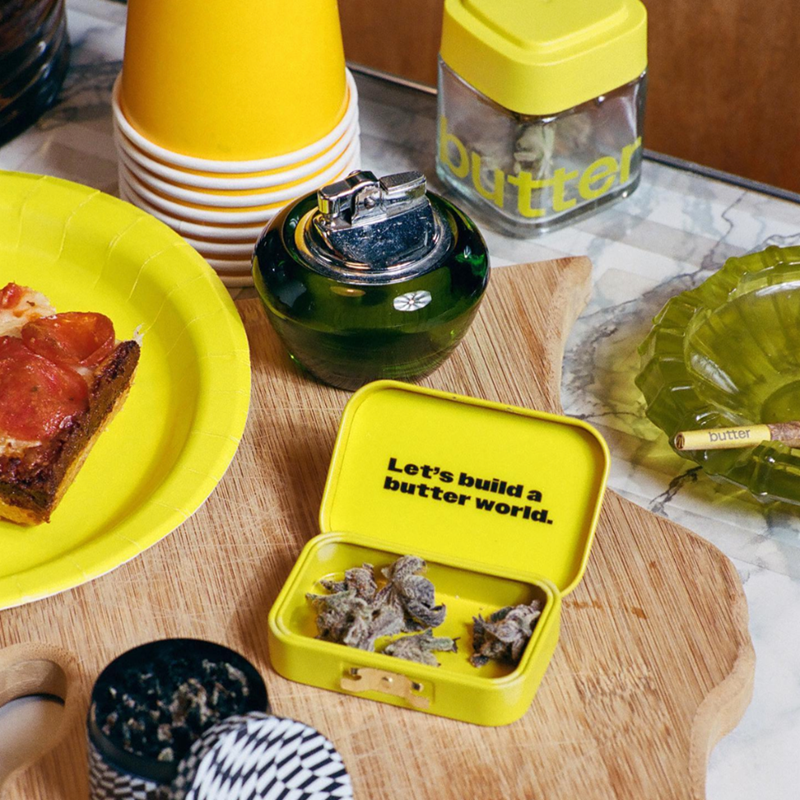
[(176, 435)]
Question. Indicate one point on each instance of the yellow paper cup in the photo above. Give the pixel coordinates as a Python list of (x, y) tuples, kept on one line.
[(194, 212), (237, 281), (233, 79), (235, 182), (242, 266), (251, 216), (240, 198), (187, 228), (246, 168), (235, 250)]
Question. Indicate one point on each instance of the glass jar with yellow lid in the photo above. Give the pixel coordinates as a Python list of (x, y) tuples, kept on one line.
[(541, 107)]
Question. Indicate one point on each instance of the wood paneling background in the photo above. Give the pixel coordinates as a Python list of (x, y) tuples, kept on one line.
[(397, 36), (724, 85)]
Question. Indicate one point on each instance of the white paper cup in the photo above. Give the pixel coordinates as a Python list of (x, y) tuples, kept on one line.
[(235, 250), (234, 273), (209, 216), (237, 281), (232, 167), (213, 216), (267, 180), (235, 201), (226, 233), (230, 267)]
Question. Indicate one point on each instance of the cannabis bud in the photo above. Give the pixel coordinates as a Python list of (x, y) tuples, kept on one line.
[(357, 613), (503, 636), (420, 647), (408, 590)]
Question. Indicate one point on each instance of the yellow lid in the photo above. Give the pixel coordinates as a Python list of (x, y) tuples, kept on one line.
[(544, 56), (542, 479)]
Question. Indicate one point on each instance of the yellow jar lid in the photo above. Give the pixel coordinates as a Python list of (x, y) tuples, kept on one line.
[(544, 56)]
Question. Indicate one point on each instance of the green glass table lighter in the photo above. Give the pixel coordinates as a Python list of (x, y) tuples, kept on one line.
[(371, 278)]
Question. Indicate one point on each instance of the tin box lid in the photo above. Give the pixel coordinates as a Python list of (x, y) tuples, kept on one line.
[(544, 56), (473, 480)]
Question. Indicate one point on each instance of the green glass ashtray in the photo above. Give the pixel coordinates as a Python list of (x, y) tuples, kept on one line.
[(728, 353)]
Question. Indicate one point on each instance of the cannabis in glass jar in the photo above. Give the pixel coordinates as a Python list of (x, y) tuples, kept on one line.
[(540, 115)]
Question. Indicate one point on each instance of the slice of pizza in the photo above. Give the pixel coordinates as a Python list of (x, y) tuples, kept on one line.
[(63, 377)]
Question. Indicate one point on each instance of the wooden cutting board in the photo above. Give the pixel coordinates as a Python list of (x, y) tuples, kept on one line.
[(655, 663)]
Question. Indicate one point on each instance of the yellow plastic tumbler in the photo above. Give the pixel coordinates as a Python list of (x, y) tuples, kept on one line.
[(233, 79)]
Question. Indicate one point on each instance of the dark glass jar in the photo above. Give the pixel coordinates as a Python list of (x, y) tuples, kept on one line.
[(34, 55), (371, 279)]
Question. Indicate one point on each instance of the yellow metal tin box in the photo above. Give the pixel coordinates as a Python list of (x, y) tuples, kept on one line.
[(502, 502)]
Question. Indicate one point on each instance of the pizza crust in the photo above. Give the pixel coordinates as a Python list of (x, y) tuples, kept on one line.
[(26, 506)]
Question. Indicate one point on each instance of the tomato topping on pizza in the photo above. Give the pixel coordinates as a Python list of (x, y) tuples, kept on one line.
[(11, 294), (37, 397), (76, 339), (11, 346)]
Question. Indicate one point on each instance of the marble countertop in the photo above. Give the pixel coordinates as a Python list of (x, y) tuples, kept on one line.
[(676, 229)]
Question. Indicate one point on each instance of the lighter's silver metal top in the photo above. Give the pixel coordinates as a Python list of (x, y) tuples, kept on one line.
[(370, 224), (362, 198)]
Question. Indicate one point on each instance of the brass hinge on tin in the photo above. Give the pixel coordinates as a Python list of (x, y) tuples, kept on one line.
[(364, 679)]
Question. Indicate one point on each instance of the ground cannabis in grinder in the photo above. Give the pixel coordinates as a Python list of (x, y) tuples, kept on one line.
[(159, 711)]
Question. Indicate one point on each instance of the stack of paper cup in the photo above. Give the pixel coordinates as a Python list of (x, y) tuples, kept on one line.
[(226, 111)]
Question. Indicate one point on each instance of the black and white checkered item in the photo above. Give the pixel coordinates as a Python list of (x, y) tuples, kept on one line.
[(260, 757), (106, 782)]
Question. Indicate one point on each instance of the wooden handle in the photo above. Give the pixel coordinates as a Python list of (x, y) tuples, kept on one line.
[(39, 669)]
